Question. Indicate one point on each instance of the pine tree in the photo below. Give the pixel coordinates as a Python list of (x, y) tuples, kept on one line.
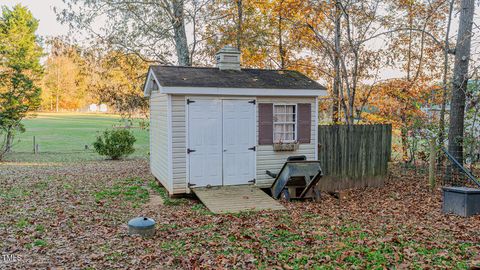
[(20, 69)]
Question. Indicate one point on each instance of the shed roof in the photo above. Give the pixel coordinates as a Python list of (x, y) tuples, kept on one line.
[(180, 76)]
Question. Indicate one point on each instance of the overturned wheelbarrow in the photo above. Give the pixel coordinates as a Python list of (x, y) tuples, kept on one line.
[(297, 179)]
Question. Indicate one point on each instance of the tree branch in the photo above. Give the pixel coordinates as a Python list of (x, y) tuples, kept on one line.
[(438, 42)]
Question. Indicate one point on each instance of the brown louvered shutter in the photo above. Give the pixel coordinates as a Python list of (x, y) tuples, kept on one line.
[(265, 123), (304, 122)]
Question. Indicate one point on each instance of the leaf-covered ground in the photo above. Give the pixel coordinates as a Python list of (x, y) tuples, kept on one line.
[(74, 215)]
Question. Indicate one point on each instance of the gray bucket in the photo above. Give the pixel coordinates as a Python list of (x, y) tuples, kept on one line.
[(142, 226)]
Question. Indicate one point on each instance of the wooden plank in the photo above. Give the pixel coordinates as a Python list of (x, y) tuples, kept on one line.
[(234, 199)]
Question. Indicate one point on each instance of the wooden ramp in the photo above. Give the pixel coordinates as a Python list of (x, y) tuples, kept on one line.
[(234, 199)]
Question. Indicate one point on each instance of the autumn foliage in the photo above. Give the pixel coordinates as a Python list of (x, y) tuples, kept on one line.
[(348, 46)]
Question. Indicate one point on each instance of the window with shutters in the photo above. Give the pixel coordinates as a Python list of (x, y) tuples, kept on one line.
[(284, 123)]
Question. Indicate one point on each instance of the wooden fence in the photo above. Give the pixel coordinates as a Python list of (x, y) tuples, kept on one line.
[(354, 156)]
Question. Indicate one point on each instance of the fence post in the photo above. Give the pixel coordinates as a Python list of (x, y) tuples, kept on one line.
[(34, 148), (431, 167)]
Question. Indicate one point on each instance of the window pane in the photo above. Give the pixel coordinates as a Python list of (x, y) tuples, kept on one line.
[(277, 137), (277, 128), (289, 128), (283, 114), (290, 108), (279, 109), (290, 118), (289, 137), (281, 118)]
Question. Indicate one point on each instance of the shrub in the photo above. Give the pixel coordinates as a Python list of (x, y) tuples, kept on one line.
[(116, 143)]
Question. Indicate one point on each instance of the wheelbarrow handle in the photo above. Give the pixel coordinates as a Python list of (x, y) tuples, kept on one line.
[(273, 175)]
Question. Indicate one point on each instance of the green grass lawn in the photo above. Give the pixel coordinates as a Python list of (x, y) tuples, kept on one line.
[(67, 134)]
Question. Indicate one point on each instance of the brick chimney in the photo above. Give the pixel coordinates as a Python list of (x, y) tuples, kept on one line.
[(228, 58)]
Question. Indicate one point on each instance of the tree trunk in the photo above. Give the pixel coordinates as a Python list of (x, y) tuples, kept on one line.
[(9, 140), (180, 37), (57, 87), (281, 50), (239, 24), (460, 79), (351, 99), (403, 112), (56, 102), (405, 144), (337, 78), (3, 145), (431, 167), (472, 131), (441, 130)]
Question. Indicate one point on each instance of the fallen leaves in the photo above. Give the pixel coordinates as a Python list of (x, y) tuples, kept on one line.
[(74, 216)]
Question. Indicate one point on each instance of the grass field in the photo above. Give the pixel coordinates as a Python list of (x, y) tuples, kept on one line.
[(67, 134)]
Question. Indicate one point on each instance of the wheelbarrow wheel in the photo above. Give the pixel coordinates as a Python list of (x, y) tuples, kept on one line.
[(285, 195)]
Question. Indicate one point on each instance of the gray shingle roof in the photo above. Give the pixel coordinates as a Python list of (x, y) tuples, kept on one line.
[(244, 78)]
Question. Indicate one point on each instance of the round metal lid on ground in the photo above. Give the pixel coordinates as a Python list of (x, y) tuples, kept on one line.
[(141, 225)]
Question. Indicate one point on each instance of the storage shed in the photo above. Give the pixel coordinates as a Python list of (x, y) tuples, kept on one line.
[(224, 125)]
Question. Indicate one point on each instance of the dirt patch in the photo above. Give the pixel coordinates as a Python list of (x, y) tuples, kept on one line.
[(155, 202)]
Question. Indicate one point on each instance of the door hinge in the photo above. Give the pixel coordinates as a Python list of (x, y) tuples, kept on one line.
[(253, 181), (190, 150), (253, 102), (191, 185), (253, 148), (190, 101)]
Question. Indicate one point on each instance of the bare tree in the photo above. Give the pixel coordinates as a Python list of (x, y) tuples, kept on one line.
[(352, 61), (337, 80), (281, 49), (446, 52), (413, 52), (146, 28), (177, 16), (239, 23)]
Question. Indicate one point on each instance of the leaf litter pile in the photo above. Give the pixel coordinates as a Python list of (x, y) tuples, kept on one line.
[(74, 215)]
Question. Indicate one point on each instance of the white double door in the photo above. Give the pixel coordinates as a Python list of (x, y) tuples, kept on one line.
[(221, 142)]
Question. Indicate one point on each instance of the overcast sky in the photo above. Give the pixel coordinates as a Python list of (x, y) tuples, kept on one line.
[(48, 25), (43, 11)]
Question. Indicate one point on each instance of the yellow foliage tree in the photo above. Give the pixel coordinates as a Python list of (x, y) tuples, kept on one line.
[(64, 81)]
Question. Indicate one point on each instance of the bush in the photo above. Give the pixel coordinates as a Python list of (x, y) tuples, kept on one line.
[(115, 143)]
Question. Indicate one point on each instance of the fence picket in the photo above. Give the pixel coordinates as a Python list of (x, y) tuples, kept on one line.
[(354, 155)]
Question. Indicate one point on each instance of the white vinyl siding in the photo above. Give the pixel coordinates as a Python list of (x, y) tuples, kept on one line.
[(159, 138), (267, 159), (179, 145)]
